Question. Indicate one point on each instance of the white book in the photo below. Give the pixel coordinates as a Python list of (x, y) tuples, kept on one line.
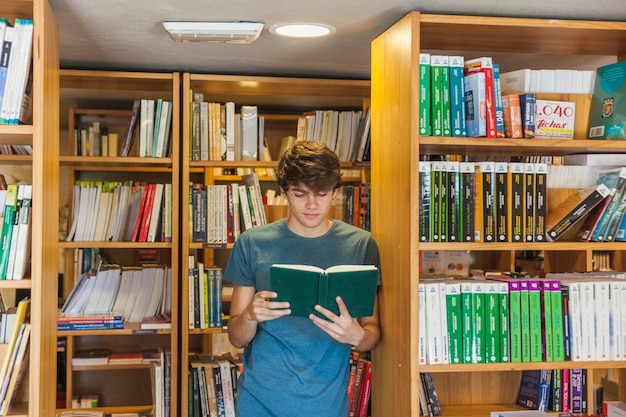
[(574, 319), (587, 306), (149, 127), (166, 304), (615, 320), (201, 295), (100, 282), (230, 130), (166, 218), (23, 71), (622, 332), (227, 388), (143, 128), (249, 133), (136, 280), (234, 191), (109, 292), (103, 214), (601, 291), (245, 208), (143, 295), (14, 230), (443, 323), (434, 331), (123, 291), (153, 306), (517, 81), (155, 213), (422, 341), (11, 81)]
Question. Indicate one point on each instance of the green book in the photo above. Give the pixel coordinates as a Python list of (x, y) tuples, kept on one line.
[(534, 319), (558, 338), (304, 286), (546, 317), (424, 94), (504, 314), (468, 321), (437, 94), (10, 207), (525, 320), (492, 331), (515, 314), (478, 315), (455, 330)]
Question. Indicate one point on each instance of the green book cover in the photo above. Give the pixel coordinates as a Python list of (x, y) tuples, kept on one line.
[(505, 328), (452, 192), (424, 94), (304, 286), (534, 316), (607, 115), (492, 312), (525, 320), (435, 200), (445, 96), (468, 321), (436, 94), (466, 201), (455, 329), (546, 318), (425, 214), (480, 325), (444, 192), (515, 313), (8, 220), (558, 338)]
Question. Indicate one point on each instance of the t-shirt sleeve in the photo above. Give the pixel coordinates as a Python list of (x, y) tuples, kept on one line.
[(238, 269)]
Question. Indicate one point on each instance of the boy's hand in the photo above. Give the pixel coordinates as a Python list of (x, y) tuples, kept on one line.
[(261, 309), (343, 327)]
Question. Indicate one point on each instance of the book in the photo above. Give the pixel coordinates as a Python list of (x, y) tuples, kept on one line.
[(129, 136), (475, 110), (484, 65), (91, 357), (304, 286), (424, 79), (528, 103), (8, 222), (457, 96), (607, 114), (19, 370), (249, 133), (497, 92), (158, 321), (573, 209), (512, 115), (554, 119)]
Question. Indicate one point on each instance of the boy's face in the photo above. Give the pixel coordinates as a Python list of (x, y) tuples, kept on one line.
[(308, 210)]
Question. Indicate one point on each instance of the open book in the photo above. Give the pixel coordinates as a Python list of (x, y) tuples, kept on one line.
[(304, 286)]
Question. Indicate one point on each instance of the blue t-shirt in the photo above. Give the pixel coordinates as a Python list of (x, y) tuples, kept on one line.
[(291, 367)]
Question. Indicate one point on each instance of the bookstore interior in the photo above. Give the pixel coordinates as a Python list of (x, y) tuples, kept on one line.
[(499, 209)]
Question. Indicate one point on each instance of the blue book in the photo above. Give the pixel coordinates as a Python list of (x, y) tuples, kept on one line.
[(457, 96), (475, 110), (527, 103), (497, 92)]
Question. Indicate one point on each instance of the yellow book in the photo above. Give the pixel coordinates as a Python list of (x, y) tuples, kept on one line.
[(20, 317)]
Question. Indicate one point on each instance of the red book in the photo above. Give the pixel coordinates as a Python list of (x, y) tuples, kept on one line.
[(146, 212), (485, 65), (142, 206), (366, 389)]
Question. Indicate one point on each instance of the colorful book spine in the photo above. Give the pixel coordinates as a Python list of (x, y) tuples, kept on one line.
[(453, 200), (547, 333), (492, 323), (502, 211), (468, 321), (516, 201), (485, 65), (528, 102), (556, 391), (525, 320), (540, 201), (435, 200), (475, 111), (437, 94), (497, 92), (504, 319), (425, 213), (480, 325), (512, 115), (466, 203), (454, 316), (534, 316), (457, 96), (487, 170), (529, 202), (425, 92)]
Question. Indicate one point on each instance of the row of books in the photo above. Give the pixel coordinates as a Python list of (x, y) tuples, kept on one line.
[(557, 390), (104, 356), (561, 81), (16, 76), (16, 150), (131, 211), (503, 319), (116, 294), (461, 98), (429, 399), (15, 363), (214, 385), (220, 212), (161, 378), (359, 385), (347, 133), (205, 295), (602, 207), (482, 202), (15, 213)]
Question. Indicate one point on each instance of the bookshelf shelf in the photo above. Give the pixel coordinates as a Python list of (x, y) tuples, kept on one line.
[(463, 390)]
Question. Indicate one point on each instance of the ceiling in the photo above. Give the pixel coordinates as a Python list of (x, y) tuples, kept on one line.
[(128, 35)]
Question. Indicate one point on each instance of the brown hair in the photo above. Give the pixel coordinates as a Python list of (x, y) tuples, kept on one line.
[(311, 164)]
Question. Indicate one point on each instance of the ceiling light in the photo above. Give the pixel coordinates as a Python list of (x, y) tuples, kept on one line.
[(228, 32), (302, 30)]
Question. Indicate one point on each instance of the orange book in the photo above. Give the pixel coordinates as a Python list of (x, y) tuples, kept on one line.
[(512, 113)]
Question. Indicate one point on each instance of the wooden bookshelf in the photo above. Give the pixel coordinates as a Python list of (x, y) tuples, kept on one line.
[(36, 397), (107, 97), (281, 100), (468, 390)]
